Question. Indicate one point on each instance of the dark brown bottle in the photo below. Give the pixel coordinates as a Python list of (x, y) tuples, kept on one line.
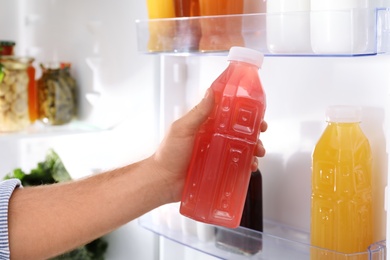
[(247, 239), (252, 216)]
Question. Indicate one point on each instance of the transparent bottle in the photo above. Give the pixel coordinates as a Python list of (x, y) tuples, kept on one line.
[(219, 171), (288, 26), (341, 201), (341, 27)]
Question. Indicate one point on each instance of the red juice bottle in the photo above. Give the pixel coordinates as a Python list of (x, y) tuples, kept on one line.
[(220, 168)]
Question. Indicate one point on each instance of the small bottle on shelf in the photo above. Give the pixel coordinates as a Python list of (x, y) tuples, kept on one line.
[(244, 240)]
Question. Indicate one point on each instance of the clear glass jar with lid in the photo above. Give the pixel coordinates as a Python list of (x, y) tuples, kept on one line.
[(56, 94), (14, 113)]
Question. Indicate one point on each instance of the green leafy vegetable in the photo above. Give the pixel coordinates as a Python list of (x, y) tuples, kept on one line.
[(52, 170)]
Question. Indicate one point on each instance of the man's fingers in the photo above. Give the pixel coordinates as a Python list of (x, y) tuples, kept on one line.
[(194, 118), (263, 126)]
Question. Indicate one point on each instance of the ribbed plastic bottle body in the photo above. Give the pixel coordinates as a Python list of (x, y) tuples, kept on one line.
[(341, 217), (219, 172)]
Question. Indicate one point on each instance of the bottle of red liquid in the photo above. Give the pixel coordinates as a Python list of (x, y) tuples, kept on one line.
[(220, 168)]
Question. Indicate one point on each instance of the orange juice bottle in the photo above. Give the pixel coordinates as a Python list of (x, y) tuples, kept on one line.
[(220, 168), (221, 33), (32, 92), (161, 32), (341, 202)]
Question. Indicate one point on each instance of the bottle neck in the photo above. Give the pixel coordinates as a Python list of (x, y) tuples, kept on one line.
[(344, 126), (342, 123)]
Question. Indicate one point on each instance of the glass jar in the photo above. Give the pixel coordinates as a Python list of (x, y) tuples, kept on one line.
[(56, 95), (14, 113)]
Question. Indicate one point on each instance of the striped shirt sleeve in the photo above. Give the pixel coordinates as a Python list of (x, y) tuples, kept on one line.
[(6, 189)]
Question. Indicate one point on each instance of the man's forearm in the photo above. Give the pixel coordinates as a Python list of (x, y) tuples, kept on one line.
[(79, 211)]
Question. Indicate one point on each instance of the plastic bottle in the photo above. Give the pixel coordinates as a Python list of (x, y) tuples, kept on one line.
[(221, 29), (219, 171), (341, 202), (32, 92), (341, 27), (288, 26), (188, 32), (244, 241), (161, 32)]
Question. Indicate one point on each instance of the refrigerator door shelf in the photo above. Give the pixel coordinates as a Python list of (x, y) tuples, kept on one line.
[(276, 242), (336, 33), (39, 129)]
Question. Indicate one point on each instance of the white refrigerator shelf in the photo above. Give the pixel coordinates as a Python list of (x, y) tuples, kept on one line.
[(39, 129), (276, 242), (348, 32)]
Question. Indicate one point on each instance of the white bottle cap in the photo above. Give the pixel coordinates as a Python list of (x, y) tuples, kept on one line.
[(343, 114), (246, 55)]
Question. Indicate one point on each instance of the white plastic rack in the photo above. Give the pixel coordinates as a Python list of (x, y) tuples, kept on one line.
[(276, 242), (351, 32)]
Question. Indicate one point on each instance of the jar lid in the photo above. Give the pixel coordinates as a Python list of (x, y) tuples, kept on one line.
[(343, 114), (7, 43)]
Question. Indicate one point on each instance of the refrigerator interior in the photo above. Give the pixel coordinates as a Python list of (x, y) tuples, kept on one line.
[(126, 95)]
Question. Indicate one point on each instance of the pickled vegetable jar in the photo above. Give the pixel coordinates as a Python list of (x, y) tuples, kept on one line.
[(56, 95), (14, 114)]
